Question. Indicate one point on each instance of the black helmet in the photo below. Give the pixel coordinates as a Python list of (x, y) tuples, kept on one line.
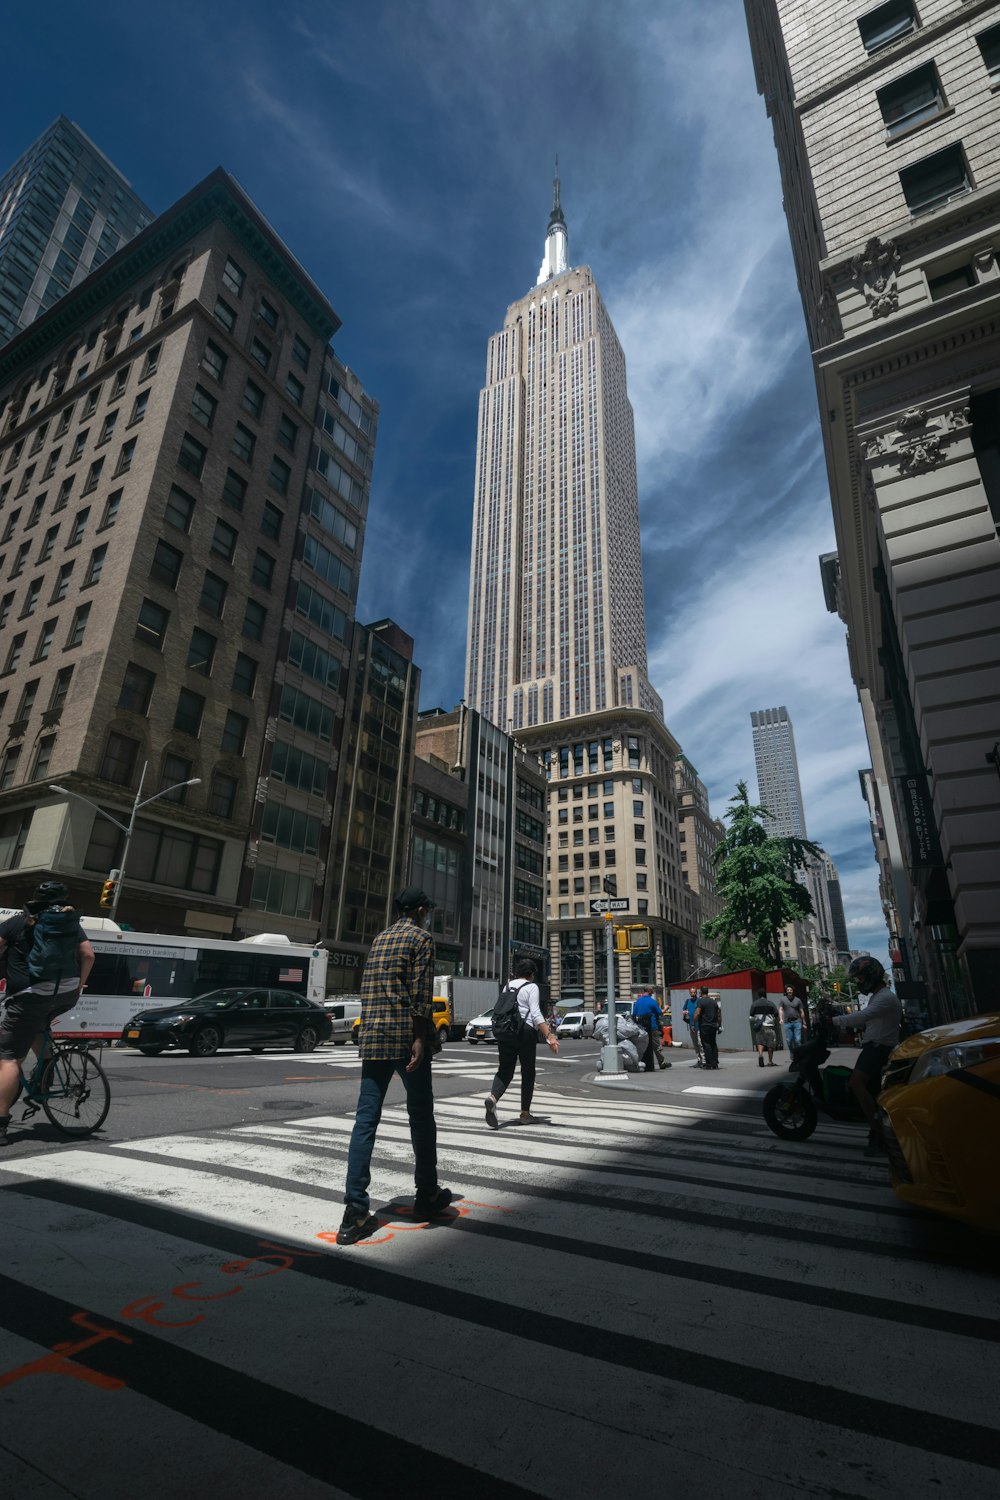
[(868, 973), (51, 893)]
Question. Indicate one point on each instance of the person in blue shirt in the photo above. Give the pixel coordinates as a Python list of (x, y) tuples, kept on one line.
[(646, 1013), (688, 1012)]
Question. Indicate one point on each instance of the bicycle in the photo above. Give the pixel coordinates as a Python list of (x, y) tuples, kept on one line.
[(69, 1084)]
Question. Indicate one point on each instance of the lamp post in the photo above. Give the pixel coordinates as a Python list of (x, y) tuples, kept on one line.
[(129, 828)]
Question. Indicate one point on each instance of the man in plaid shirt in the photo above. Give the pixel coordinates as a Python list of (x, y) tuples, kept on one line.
[(396, 1036)]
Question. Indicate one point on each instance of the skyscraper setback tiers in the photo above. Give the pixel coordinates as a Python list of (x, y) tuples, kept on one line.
[(556, 649)]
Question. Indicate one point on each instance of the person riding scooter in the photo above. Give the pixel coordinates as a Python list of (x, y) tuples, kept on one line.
[(880, 1020)]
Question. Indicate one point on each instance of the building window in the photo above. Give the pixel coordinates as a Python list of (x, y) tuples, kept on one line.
[(108, 428), (8, 767), (152, 360), (121, 381), (989, 46), (79, 443), (294, 388), (243, 443), (224, 540), (234, 490), (222, 797), (935, 180), (111, 508), (260, 352), (20, 560), (911, 100), (151, 625), (93, 475), (62, 582), (62, 499), (263, 569), (234, 278), (267, 313), (60, 689), (201, 651), (225, 314), (190, 707), (31, 598), (270, 521), (244, 675), (120, 755), (139, 408), (213, 594), (79, 527), (234, 733), (95, 567), (253, 400), (79, 626), (279, 476), (300, 352), (179, 510), (137, 689), (287, 432), (125, 457), (214, 361), (254, 619), (203, 406), (166, 564), (176, 771), (886, 23), (192, 455)]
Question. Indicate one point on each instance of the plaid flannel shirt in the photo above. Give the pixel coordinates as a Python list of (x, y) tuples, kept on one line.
[(397, 985)]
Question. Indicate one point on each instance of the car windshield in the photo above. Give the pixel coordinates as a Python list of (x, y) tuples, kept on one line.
[(220, 999)]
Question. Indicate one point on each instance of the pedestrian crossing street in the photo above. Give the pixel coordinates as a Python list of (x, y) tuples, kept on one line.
[(626, 1294)]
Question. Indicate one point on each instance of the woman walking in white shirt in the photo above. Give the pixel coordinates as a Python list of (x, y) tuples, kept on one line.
[(521, 1048)]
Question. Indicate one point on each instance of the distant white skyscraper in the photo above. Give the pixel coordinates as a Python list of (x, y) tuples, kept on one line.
[(778, 786)]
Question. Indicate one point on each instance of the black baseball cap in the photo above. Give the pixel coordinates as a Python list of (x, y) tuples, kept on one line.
[(412, 897)]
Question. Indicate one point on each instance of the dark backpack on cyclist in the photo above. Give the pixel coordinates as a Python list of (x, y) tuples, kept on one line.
[(53, 954), (507, 1022)]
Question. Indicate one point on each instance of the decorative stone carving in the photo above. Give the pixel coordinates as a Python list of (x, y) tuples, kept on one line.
[(984, 260), (875, 271), (828, 326), (919, 442)]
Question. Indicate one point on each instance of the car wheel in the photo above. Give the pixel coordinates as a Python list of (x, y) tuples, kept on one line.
[(206, 1042), (307, 1039), (152, 1051), (472, 1042)]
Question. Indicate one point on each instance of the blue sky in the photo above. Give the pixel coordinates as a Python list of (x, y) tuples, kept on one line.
[(404, 151)]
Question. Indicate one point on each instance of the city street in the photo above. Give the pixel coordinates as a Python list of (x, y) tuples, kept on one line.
[(644, 1289)]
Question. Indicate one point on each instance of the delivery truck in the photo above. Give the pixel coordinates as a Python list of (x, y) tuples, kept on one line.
[(466, 998)]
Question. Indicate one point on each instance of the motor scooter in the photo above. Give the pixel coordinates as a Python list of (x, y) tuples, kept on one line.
[(792, 1107)]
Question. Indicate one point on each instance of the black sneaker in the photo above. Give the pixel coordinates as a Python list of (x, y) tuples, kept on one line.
[(491, 1115), (4, 1122), (356, 1226), (431, 1205)]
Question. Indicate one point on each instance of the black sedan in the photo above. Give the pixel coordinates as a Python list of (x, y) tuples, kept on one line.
[(230, 1018)]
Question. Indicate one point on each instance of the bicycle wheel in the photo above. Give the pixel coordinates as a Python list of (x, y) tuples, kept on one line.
[(74, 1091)]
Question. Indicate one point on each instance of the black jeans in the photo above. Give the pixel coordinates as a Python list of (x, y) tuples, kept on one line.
[(649, 1057), (513, 1050), (708, 1036)]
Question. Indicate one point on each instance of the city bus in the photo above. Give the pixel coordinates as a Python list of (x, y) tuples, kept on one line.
[(136, 971)]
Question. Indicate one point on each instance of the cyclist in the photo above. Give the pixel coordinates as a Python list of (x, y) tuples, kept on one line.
[(33, 1002), (880, 1022)]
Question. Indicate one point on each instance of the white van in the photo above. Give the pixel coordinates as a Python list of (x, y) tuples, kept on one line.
[(343, 1014), (576, 1023)]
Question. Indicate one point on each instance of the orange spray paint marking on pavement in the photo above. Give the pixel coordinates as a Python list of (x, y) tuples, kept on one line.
[(59, 1362)]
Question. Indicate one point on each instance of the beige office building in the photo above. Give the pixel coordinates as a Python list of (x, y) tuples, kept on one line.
[(176, 600), (886, 121), (556, 651)]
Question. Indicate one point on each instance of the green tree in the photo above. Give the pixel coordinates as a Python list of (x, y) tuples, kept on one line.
[(736, 954), (756, 881)]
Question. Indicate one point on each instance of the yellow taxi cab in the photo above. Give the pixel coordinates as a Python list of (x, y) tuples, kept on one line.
[(940, 1114), (442, 1020)]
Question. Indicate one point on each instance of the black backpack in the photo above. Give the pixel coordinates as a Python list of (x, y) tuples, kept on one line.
[(53, 954), (507, 1022)]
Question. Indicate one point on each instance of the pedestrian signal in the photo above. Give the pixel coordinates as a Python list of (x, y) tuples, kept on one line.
[(108, 893), (632, 939)]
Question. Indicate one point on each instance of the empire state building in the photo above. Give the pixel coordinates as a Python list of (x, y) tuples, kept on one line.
[(556, 649)]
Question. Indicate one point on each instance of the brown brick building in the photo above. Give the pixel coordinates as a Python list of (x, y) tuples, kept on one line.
[(184, 470)]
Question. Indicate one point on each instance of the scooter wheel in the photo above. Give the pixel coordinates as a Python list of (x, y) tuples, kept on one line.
[(790, 1113)]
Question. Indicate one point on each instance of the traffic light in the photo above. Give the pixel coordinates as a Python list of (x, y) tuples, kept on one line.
[(108, 893), (836, 989), (634, 938)]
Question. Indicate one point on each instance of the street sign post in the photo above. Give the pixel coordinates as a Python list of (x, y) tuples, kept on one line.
[(602, 904)]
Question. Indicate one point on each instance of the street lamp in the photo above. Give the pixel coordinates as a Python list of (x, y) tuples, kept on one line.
[(128, 830)]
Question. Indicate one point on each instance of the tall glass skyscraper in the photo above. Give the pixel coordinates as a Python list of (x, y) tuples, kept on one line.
[(63, 210), (556, 651)]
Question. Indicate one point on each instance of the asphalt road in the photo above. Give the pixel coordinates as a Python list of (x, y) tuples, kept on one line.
[(642, 1290)]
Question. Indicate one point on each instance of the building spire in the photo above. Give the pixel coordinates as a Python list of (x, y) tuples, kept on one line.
[(557, 238)]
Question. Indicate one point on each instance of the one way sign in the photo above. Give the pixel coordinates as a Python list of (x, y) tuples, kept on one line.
[(608, 903)]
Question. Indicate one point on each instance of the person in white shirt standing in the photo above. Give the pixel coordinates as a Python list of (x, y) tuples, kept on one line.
[(880, 1023), (522, 1047)]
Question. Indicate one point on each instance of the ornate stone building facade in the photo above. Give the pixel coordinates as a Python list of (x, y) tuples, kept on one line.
[(885, 121)]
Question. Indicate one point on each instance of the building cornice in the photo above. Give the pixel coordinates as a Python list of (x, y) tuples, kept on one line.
[(217, 198)]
